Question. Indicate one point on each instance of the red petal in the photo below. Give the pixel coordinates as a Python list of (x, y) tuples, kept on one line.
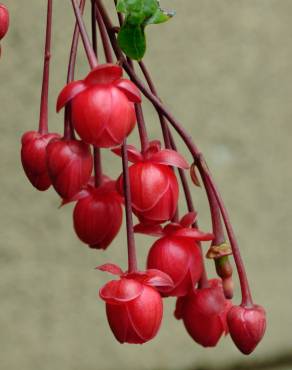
[(170, 158), (110, 268), (69, 92), (121, 291), (153, 230), (104, 74), (129, 89), (178, 313), (188, 219), (82, 194), (133, 154), (194, 234), (157, 278)]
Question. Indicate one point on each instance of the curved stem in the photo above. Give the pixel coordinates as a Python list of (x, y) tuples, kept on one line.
[(197, 155), (85, 39), (68, 127), (104, 38), (43, 119), (132, 259), (96, 150)]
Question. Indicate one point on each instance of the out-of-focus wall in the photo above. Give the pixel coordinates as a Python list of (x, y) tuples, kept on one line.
[(224, 68)]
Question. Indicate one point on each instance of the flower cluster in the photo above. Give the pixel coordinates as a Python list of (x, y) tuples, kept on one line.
[(103, 109)]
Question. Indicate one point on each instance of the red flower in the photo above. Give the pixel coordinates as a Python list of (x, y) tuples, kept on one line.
[(154, 187), (134, 308), (98, 214), (33, 158), (4, 20), (103, 112), (70, 165), (204, 312), (177, 253), (247, 326)]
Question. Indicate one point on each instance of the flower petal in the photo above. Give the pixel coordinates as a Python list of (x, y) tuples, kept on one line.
[(104, 74), (153, 230), (133, 154), (110, 268), (170, 158), (69, 92), (188, 219), (121, 291), (194, 234), (129, 89), (157, 278)]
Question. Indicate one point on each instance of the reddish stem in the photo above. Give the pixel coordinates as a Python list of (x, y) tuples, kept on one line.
[(197, 155), (96, 150), (43, 119), (132, 259), (104, 38), (85, 39), (68, 127)]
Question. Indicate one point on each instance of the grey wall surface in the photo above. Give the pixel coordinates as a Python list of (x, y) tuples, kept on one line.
[(224, 68)]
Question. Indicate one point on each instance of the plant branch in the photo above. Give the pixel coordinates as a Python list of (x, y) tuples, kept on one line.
[(43, 119)]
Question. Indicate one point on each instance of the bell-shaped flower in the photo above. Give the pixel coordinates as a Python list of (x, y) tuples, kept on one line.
[(203, 312), (70, 164), (154, 186), (98, 214), (34, 158), (103, 112), (177, 253), (134, 307), (4, 20), (247, 326)]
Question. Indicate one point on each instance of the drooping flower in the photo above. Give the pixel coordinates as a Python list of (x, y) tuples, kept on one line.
[(98, 214), (34, 158), (4, 20), (70, 164), (203, 312), (247, 326), (176, 253), (154, 187), (103, 112), (134, 307)]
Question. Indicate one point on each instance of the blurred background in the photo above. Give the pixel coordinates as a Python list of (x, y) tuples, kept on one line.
[(224, 70)]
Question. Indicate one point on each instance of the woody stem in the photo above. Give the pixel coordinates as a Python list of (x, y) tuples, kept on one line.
[(43, 119)]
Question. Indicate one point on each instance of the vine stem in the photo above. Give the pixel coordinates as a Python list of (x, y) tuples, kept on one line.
[(197, 155), (43, 119), (68, 128), (132, 258), (85, 38), (96, 150), (104, 38)]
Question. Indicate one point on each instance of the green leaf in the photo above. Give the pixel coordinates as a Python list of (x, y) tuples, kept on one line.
[(159, 16), (132, 41), (138, 14)]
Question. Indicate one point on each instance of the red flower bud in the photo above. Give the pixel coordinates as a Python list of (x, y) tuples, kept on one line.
[(70, 165), (98, 216), (247, 326), (204, 314), (103, 112), (181, 259), (4, 20), (34, 158), (134, 308), (154, 187), (154, 191)]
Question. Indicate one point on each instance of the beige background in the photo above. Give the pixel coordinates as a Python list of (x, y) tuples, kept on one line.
[(224, 68)]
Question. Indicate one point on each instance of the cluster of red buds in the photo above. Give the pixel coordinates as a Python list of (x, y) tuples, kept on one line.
[(102, 109), (4, 22)]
